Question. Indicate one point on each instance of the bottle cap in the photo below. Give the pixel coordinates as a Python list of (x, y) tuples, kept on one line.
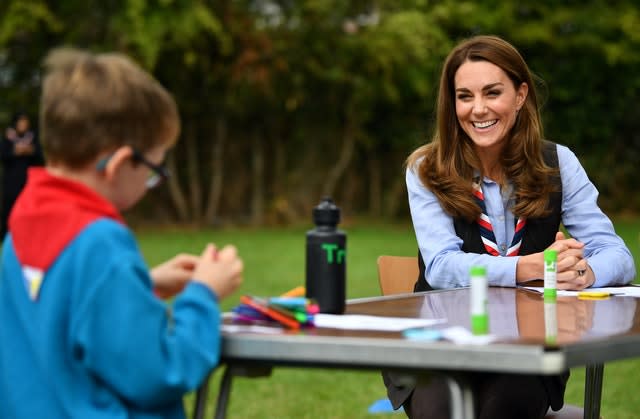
[(480, 324), (550, 255), (478, 270), (326, 213)]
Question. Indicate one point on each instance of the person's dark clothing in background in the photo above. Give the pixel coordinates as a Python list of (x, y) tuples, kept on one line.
[(19, 150)]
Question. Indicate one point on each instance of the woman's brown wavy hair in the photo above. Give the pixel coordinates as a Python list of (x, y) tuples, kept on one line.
[(446, 165)]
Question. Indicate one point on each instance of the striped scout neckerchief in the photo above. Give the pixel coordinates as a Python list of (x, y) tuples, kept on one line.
[(486, 229)]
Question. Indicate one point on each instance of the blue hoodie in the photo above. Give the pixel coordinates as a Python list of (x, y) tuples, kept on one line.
[(81, 333)]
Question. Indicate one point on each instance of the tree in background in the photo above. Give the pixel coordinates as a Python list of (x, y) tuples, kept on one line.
[(283, 101)]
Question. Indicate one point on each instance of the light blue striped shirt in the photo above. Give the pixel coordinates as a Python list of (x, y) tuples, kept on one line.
[(447, 266)]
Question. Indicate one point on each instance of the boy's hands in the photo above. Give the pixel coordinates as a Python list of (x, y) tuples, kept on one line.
[(220, 270), (170, 277)]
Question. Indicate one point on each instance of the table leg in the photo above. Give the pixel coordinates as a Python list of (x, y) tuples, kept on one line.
[(593, 390), (201, 399), (460, 398), (225, 384), (223, 393)]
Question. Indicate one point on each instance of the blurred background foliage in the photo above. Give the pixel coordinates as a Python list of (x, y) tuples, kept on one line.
[(283, 101)]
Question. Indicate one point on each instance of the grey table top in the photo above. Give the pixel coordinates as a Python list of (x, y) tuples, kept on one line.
[(588, 332)]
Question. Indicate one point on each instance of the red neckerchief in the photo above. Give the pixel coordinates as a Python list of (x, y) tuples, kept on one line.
[(49, 213)]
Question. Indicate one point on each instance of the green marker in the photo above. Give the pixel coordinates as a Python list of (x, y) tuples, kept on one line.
[(479, 314), (550, 271)]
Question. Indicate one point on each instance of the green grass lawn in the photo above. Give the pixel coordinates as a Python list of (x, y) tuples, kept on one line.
[(274, 263)]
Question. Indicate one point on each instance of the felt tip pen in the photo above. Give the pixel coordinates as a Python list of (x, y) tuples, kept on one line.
[(247, 311), (299, 316), (273, 314), (289, 302), (299, 291)]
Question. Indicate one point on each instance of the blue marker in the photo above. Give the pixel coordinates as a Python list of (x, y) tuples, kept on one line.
[(289, 302)]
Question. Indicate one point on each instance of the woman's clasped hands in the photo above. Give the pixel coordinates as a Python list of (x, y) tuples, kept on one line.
[(573, 271)]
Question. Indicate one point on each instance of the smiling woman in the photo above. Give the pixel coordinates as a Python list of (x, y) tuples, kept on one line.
[(487, 104), (488, 185)]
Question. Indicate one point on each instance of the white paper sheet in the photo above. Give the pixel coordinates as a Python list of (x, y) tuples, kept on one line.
[(362, 322)]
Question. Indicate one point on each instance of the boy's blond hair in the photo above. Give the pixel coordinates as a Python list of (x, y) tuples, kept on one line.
[(92, 103)]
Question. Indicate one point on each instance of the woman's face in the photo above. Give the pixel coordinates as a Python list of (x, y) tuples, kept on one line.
[(486, 103)]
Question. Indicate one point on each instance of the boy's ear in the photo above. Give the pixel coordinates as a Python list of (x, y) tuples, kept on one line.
[(115, 162)]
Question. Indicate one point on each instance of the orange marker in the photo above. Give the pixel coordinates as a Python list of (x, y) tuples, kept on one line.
[(264, 309), (295, 292)]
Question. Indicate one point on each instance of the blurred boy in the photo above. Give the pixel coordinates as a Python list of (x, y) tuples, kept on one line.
[(81, 333)]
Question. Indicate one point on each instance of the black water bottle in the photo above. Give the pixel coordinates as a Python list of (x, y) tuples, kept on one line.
[(326, 259)]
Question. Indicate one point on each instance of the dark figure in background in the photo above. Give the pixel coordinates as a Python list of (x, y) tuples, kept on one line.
[(20, 150)]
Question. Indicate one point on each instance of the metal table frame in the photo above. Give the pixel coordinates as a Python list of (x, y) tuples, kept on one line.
[(461, 396)]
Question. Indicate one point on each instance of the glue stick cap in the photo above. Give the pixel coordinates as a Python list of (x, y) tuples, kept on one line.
[(550, 255), (478, 270)]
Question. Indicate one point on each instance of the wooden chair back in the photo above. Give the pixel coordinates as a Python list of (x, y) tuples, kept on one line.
[(397, 274)]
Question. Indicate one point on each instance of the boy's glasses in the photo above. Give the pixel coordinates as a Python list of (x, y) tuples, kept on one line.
[(159, 173)]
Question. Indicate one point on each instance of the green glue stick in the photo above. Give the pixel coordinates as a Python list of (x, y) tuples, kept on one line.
[(479, 314), (550, 271)]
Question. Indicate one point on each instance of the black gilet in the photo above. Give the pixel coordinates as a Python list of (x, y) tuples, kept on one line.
[(539, 233)]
